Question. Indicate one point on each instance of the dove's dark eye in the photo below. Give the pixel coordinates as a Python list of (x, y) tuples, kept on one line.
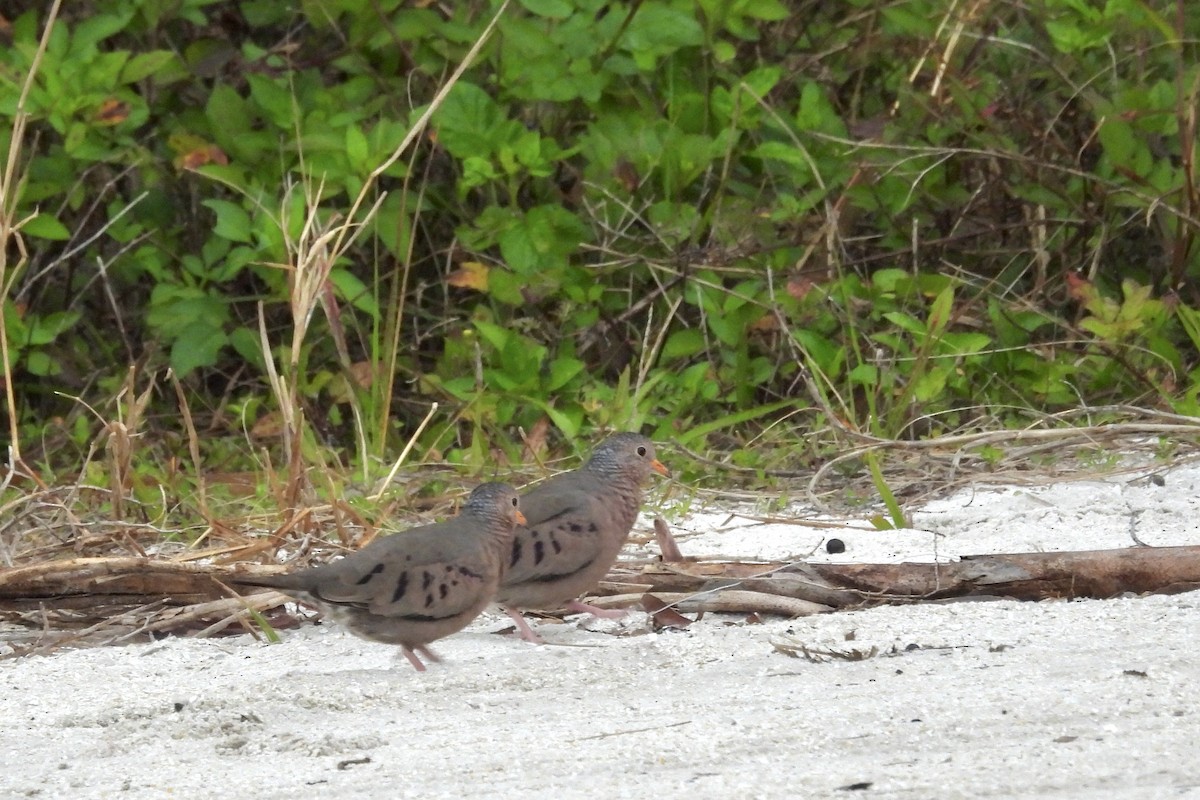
[(514, 502), (641, 451)]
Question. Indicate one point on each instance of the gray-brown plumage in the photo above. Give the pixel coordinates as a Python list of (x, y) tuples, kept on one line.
[(415, 587), (576, 523)]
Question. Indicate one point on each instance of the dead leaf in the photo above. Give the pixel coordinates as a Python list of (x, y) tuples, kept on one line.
[(193, 152), (626, 175), (1078, 287), (535, 440), (765, 324), (666, 542), (112, 112), (799, 287), (268, 426), (362, 373), (663, 616), (471, 275)]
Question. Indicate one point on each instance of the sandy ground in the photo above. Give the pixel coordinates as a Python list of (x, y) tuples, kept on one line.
[(968, 699)]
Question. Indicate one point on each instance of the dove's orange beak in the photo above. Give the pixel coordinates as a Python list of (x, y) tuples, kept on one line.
[(519, 517), (660, 468)]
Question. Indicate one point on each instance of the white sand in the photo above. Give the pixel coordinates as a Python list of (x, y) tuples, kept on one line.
[(968, 699)]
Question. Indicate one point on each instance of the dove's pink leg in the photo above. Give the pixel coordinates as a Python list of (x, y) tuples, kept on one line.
[(527, 633), (602, 613), (415, 660), (412, 658)]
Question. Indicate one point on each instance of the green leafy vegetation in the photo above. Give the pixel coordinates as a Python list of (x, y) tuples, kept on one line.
[(752, 228)]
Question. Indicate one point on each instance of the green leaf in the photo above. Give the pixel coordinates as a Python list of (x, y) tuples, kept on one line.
[(44, 226), (96, 28), (864, 375), (233, 223), (963, 343), (697, 432), (174, 309), (39, 363), (930, 385), (1120, 143), (682, 344), (907, 322), (542, 240), (939, 311), (274, 100), (782, 151), (505, 286), (554, 9), (248, 344), (567, 422), (496, 335), (562, 371), (197, 346), (898, 519), (658, 30), (354, 291), (356, 149), (143, 65), (770, 10), (228, 115), (44, 330), (470, 123)]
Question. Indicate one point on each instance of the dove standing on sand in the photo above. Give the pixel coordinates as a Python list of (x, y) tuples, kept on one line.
[(576, 523), (414, 587)]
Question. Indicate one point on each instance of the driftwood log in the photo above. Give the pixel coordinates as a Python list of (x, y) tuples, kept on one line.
[(95, 583), (1021, 576)]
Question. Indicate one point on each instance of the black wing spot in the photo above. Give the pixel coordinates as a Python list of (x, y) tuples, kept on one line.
[(426, 580), (449, 568), (443, 590), (557, 547), (516, 553), (401, 587), (429, 600), (592, 527), (539, 552), (365, 579), (576, 527), (467, 572)]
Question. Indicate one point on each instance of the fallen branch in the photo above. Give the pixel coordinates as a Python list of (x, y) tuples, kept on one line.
[(723, 601), (132, 596), (1020, 576)]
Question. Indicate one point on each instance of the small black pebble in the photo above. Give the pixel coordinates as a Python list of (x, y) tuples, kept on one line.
[(913, 646), (1158, 480), (178, 707), (835, 546)]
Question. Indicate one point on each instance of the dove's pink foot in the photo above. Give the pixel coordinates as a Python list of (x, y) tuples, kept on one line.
[(602, 613), (415, 660), (527, 633), (412, 659)]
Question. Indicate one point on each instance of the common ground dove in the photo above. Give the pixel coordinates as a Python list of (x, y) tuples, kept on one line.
[(575, 525), (414, 587)]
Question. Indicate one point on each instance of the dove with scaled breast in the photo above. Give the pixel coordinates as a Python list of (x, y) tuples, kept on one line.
[(418, 586)]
